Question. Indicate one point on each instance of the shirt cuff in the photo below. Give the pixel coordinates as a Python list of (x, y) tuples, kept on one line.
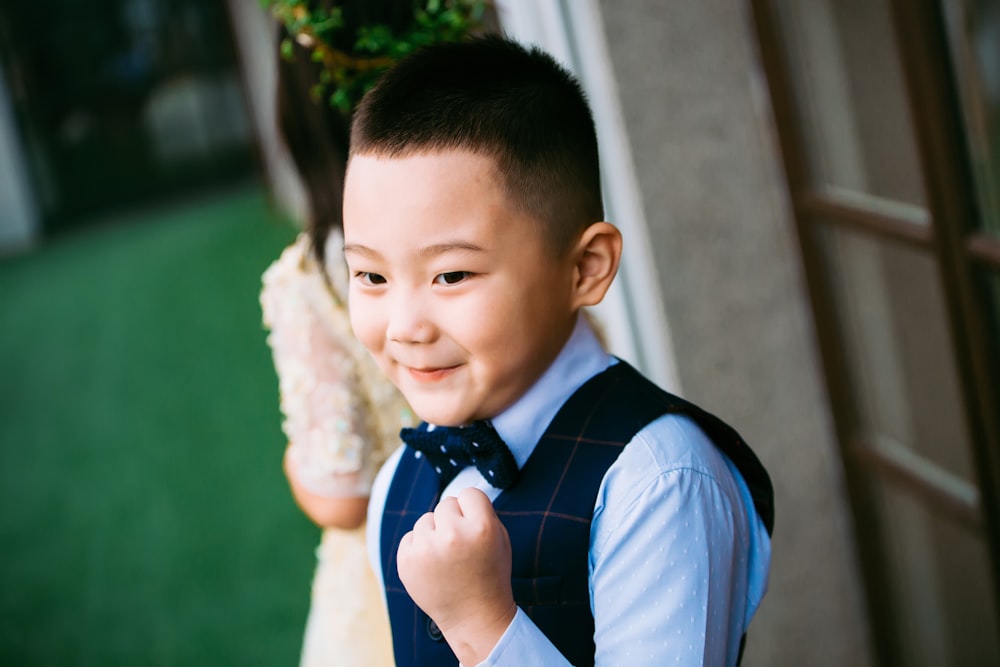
[(524, 645)]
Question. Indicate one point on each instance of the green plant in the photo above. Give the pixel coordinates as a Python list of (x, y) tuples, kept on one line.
[(353, 57)]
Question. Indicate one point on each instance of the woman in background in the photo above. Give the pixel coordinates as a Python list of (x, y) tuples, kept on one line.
[(341, 416)]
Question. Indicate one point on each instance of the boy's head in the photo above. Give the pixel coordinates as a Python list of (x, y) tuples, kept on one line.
[(472, 224), (494, 97)]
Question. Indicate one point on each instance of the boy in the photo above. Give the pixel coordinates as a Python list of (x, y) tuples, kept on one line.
[(579, 514)]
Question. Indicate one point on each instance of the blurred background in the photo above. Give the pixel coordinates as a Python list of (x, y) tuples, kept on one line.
[(810, 196)]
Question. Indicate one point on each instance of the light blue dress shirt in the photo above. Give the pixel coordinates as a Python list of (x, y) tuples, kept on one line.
[(678, 558)]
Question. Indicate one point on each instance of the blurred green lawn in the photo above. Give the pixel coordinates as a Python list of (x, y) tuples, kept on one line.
[(144, 519)]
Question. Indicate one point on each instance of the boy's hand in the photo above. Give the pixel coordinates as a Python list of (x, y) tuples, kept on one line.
[(455, 564)]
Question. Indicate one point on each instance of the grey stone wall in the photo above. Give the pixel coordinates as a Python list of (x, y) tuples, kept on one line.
[(699, 126)]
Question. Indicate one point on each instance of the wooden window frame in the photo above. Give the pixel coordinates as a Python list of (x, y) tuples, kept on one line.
[(946, 231)]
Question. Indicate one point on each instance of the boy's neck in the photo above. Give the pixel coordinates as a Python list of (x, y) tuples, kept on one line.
[(522, 424)]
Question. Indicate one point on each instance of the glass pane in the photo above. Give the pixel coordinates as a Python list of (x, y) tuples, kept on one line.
[(852, 104), (898, 347), (940, 585), (974, 37), (125, 101)]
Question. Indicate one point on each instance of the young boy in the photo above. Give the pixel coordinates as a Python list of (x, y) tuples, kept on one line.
[(579, 514)]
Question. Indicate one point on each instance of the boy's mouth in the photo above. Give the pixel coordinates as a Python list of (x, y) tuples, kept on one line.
[(430, 374)]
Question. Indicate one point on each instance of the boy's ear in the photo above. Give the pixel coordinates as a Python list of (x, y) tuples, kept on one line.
[(596, 257)]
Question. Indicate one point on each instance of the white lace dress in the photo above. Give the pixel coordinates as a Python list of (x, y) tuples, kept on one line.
[(342, 419)]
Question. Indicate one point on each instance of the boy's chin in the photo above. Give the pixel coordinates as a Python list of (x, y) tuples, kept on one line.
[(432, 412), (445, 420)]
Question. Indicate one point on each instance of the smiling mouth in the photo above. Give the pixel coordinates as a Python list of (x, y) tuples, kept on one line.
[(430, 374)]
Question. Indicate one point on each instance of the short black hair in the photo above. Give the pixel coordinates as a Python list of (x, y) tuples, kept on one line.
[(494, 97)]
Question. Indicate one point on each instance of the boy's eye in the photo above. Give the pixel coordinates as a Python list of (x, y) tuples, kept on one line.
[(451, 277), (371, 278)]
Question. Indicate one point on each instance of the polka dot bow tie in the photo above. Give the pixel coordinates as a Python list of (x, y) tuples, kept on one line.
[(450, 449)]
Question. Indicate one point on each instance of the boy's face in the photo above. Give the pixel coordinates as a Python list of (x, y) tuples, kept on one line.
[(455, 294)]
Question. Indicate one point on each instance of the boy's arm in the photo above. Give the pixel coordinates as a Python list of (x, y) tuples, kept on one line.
[(670, 553)]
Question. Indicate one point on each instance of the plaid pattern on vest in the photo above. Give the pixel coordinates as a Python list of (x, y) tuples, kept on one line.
[(549, 511)]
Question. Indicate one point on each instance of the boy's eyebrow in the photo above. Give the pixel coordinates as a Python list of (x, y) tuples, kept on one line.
[(441, 248), (359, 249), (426, 251)]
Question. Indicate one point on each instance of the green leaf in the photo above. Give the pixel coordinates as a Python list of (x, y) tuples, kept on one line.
[(341, 100), (433, 21)]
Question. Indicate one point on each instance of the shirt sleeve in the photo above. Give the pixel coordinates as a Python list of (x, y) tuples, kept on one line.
[(524, 645), (326, 413), (668, 559)]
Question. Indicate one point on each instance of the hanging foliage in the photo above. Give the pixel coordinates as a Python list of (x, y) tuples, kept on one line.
[(353, 56)]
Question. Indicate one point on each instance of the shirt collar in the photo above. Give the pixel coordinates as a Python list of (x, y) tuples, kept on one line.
[(522, 424)]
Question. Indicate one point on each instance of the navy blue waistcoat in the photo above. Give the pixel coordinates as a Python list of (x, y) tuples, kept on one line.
[(549, 511)]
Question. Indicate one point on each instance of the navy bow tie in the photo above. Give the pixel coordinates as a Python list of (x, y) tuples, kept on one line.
[(450, 449)]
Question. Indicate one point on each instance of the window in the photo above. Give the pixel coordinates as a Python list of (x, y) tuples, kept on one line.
[(888, 114)]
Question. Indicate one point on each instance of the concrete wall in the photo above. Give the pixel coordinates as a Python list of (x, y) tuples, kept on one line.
[(698, 122)]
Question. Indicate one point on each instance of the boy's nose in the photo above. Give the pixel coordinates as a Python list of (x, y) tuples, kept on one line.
[(408, 320)]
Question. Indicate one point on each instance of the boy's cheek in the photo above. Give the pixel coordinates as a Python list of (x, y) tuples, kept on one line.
[(364, 322)]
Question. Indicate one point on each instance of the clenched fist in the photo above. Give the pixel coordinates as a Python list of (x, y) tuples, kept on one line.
[(455, 564)]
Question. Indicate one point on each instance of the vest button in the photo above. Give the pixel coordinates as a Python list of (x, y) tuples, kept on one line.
[(433, 631)]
